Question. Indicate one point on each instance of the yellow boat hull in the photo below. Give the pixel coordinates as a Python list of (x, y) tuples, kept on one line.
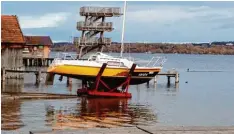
[(93, 71), (115, 76)]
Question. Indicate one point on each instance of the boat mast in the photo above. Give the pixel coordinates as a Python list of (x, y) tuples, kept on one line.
[(122, 40)]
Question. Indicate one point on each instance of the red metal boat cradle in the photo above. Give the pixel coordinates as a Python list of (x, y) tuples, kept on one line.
[(111, 92)]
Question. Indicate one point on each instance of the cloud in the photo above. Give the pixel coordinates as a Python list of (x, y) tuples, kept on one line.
[(57, 41), (174, 13), (225, 26), (44, 21), (29, 34), (175, 23), (146, 21)]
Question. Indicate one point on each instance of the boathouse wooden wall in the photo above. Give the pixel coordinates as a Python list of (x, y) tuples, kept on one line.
[(11, 58), (12, 43)]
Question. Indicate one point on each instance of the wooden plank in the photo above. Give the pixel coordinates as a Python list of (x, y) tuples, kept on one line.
[(167, 74), (24, 71), (38, 58)]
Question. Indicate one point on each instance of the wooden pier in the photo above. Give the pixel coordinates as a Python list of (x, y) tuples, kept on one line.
[(37, 73), (38, 62), (169, 74)]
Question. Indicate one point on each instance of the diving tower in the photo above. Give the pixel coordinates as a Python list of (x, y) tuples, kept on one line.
[(93, 28)]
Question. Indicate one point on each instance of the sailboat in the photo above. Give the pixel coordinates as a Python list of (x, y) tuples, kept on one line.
[(87, 68)]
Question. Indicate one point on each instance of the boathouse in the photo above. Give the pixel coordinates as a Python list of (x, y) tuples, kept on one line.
[(37, 46), (12, 44)]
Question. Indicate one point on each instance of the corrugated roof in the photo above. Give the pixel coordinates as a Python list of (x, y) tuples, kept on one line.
[(38, 40), (11, 31)]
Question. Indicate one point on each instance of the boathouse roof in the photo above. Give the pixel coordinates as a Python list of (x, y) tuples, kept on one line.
[(10, 30), (38, 40)]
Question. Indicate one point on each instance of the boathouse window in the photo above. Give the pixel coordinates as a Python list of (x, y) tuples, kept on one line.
[(40, 47)]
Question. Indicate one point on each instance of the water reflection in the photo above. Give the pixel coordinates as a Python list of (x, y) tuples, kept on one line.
[(99, 112), (12, 85), (11, 115)]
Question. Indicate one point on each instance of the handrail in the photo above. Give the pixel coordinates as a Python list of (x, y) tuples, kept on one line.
[(97, 25), (155, 61), (159, 60), (92, 40), (114, 10), (62, 56)]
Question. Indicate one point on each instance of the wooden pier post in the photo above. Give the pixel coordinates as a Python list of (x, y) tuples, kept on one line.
[(69, 81), (3, 74), (38, 77), (177, 78), (61, 78), (156, 79), (176, 85), (147, 84), (44, 62), (27, 60), (47, 62), (51, 60), (32, 62), (49, 79), (168, 80)]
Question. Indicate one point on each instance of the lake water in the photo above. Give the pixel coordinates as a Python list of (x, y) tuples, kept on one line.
[(200, 99)]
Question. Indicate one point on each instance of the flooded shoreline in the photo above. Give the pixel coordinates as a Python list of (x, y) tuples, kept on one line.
[(205, 100)]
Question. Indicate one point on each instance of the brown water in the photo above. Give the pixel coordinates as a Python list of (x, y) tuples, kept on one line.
[(21, 116), (201, 99), (72, 114)]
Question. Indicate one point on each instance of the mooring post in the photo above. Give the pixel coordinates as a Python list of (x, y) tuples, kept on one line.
[(47, 62), (38, 77), (42, 62), (156, 79), (3, 74), (168, 80), (147, 84), (27, 60), (69, 81), (61, 78), (177, 78), (176, 85), (33, 62), (49, 79)]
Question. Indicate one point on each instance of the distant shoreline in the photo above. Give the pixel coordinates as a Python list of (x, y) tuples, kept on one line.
[(156, 48)]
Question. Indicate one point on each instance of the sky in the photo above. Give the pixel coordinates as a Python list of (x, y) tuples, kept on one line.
[(154, 21)]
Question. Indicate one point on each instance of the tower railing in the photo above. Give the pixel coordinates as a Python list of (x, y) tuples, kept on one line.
[(84, 11), (94, 25), (92, 41), (108, 26)]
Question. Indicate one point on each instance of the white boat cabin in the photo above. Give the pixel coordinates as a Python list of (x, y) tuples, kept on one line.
[(111, 61)]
